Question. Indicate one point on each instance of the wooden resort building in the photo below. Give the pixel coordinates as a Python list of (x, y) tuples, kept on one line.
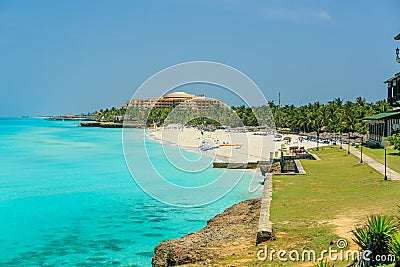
[(383, 125)]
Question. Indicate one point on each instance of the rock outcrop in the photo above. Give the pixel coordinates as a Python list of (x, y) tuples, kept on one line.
[(231, 229)]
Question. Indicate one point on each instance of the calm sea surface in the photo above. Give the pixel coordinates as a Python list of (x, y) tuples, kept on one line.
[(67, 198)]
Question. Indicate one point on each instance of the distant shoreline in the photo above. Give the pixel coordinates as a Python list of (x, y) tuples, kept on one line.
[(109, 125)]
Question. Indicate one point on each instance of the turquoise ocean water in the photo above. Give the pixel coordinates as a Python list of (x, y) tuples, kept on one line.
[(68, 199)]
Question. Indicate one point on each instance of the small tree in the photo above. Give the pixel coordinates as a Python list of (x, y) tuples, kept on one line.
[(395, 141)]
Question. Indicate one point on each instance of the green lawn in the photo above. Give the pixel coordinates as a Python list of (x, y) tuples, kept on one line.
[(335, 189), (392, 157), (305, 208)]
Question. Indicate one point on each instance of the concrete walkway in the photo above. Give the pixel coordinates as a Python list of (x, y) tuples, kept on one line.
[(391, 174), (264, 232)]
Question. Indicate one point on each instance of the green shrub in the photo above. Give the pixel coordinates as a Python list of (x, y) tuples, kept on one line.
[(395, 141), (323, 263), (376, 237), (394, 248)]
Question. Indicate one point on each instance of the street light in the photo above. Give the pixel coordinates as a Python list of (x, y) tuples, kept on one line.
[(385, 165), (385, 145), (362, 139), (397, 55), (348, 146)]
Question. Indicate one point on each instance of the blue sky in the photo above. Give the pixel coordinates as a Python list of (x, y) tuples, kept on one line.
[(78, 56)]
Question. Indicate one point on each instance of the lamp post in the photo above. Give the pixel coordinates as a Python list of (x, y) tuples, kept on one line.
[(385, 165), (385, 146), (317, 140), (348, 145), (362, 139), (397, 55)]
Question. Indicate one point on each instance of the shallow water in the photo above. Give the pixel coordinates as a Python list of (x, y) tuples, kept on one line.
[(67, 198)]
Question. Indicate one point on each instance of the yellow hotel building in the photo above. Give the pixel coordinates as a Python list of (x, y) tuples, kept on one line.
[(183, 99)]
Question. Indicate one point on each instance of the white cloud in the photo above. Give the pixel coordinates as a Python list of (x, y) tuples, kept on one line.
[(299, 14), (324, 15)]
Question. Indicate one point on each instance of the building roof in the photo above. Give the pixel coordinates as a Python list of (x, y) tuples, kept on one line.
[(384, 115), (394, 77), (397, 37), (179, 95)]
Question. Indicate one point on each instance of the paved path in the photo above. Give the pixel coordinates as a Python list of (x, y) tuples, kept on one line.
[(391, 174)]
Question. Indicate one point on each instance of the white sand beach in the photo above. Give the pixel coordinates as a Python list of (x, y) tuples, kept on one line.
[(224, 145), (228, 146)]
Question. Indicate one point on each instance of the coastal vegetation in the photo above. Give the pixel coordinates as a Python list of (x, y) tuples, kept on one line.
[(395, 141), (335, 116), (216, 116), (203, 121), (108, 114)]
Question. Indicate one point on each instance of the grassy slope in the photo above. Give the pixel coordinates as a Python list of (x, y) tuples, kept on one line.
[(392, 157), (337, 191)]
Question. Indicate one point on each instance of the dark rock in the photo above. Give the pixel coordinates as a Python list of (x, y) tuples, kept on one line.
[(235, 226)]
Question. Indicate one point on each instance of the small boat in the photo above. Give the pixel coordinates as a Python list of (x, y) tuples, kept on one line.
[(205, 148)]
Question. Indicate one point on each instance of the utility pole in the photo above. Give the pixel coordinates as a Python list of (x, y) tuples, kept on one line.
[(279, 100)]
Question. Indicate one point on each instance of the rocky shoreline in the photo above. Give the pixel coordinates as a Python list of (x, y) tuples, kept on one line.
[(109, 124), (225, 233)]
